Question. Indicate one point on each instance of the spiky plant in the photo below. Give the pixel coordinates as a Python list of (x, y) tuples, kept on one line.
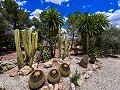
[(53, 76), (36, 80), (64, 70)]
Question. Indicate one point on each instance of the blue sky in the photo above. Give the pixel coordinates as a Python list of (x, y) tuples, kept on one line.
[(109, 7)]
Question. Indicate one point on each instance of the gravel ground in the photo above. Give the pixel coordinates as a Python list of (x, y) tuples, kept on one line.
[(108, 78)]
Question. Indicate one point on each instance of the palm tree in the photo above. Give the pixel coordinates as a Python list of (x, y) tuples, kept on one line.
[(100, 23), (72, 24), (51, 20), (85, 27)]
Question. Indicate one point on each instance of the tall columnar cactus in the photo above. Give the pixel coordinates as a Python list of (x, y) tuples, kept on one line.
[(20, 59), (30, 41), (59, 43), (65, 47)]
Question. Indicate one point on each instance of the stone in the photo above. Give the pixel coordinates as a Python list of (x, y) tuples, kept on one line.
[(56, 87), (87, 74), (81, 81), (25, 70), (84, 61), (66, 86), (47, 64), (51, 87), (92, 59), (34, 66), (44, 88), (60, 86), (72, 86), (13, 72)]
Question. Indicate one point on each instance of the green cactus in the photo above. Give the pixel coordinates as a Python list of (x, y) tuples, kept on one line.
[(59, 43), (36, 80), (64, 70), (65, 47), (53, 76), (30, 41), (20, 59)]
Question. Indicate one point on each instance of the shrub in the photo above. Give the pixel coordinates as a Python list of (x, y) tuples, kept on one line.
[(75, 78)]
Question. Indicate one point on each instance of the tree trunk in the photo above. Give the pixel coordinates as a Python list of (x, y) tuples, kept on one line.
[(87, 42)]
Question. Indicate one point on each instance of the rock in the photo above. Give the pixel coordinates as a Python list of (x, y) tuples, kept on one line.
[(44, 88), (92, 59), (25, 70), (67, 60), (34, 66), (81, 81), (72, 86), (56, 87), (13, 72), (66, 86), (47, 64), (51, 87), (84, 61), (60, 86), (87, 74)]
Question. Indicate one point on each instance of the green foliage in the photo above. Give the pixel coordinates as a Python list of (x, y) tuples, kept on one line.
[(93, 50), (75, 78), (54, 76), (44, 54), (2, 88), (36, 80), (110, 43)]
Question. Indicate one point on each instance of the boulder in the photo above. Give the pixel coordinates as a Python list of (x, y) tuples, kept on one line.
[(13, 72), (84, 61), (25, 70), (47, 64), (92, 59)]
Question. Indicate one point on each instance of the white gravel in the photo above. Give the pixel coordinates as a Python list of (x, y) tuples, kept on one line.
[(108, 78)]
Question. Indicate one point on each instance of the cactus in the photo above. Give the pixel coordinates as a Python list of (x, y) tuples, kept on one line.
[(20, 59), (53, 76), (36, 80), (64, 70), (30, 41), (59, 43)]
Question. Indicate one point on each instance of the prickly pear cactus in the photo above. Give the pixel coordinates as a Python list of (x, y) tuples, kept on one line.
[(36, 80)]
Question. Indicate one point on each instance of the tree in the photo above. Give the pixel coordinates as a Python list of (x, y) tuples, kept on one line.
[(51, 20), (72, 24)]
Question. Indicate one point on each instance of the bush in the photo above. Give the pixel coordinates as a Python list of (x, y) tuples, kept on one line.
[(111, 41), (75, 78)]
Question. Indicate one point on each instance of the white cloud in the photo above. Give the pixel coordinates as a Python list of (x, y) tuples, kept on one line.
[(113, 17), (20, 3), (57, 1), (83, 6), (68, 5), (111, 10), (65, 18), (36, 13), (119, 3), (111, 3)]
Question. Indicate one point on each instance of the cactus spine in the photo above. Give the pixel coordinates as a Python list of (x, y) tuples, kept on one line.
[(30, 41)]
